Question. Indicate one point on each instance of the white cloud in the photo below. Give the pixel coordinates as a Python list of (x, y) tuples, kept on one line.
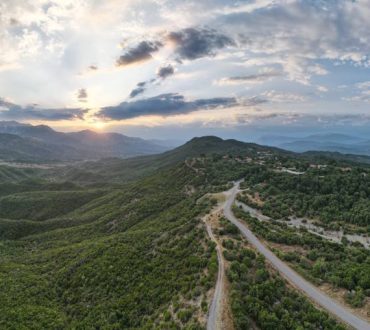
[(283, 97), (363, 85), (48, 45), (364, 96), (362, 93), (323, 89), (296, 34)]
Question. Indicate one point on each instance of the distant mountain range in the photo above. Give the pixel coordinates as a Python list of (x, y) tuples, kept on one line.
[(28, 143), (334, 142), (24, 142)]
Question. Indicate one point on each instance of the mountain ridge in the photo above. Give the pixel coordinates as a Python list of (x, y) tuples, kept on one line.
[(81, 145), (332, 142)]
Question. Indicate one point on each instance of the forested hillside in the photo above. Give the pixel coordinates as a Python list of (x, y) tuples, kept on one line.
[(130, 255), (120, 244)]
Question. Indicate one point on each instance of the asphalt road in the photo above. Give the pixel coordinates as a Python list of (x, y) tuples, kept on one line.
[(214, 314), (294, 278)]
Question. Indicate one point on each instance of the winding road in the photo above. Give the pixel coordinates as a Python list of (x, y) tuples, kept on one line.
[(294, 278), (214, 313)]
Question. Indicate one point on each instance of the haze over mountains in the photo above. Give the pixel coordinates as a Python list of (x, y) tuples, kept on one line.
[(24, 142), (334, 142)]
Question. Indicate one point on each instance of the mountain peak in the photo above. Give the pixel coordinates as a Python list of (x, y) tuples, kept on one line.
[(208, 138)]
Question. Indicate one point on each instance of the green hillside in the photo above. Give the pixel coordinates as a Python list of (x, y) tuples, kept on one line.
[(14, 174), (116, 170), (45, 204), (96, 253), (118, 244)]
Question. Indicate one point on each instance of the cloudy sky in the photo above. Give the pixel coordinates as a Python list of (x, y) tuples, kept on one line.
[(179, 68)]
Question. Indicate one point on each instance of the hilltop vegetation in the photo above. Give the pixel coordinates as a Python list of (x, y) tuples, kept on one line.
[(331, 193), (208, 148)]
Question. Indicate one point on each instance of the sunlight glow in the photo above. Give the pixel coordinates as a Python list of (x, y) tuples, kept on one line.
[(99, 125)]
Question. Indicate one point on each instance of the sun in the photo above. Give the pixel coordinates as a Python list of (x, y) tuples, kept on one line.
[(98, 125)]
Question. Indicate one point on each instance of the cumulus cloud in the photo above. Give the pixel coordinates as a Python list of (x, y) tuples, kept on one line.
[(190, 44), (164, 105), (302, 39), (140, 53), (11, 111), (194, 43), (298, 34)]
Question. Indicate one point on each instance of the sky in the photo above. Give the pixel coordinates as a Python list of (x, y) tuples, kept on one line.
[(174, 69)]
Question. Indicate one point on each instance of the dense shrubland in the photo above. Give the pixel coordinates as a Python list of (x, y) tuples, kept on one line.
[(259, 296), (129, 255), (113, 272), (119, 244), (330, 194), (341, 265)]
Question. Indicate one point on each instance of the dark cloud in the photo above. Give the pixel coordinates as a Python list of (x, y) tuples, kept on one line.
[(190, 44), (165, 71), (82, 95), (194, 43), (252, 101), (164, 105), (162, 73), (142, 52), (139, 89), (258, 77), (13, 21), (11, 111)]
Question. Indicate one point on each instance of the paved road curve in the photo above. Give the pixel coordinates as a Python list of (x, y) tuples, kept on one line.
[(215, 310), (310, 290)]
